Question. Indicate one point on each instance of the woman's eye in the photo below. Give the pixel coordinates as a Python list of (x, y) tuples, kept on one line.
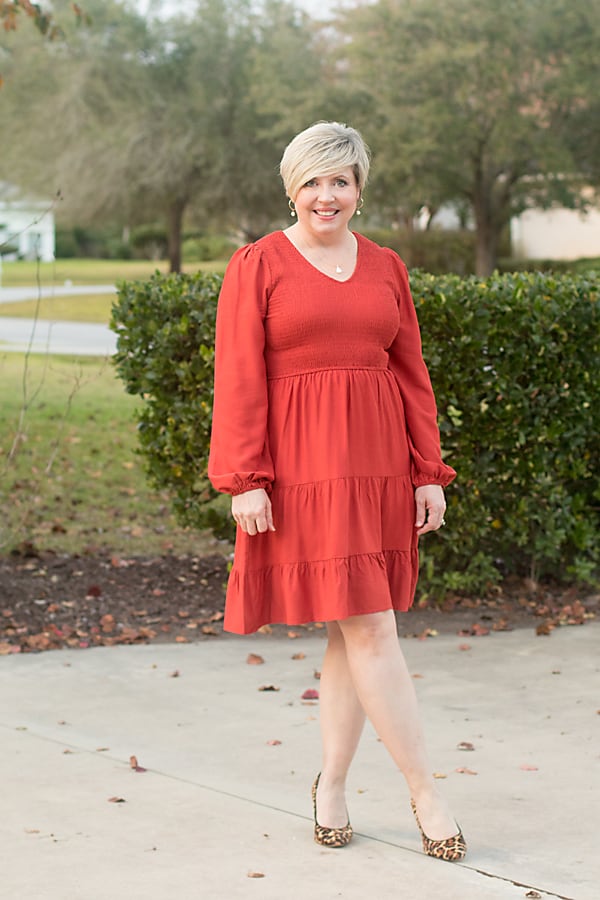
[(341, 182), (310, 183)]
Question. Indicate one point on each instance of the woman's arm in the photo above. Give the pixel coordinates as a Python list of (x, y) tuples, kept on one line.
[(408, 366), (239, 460)]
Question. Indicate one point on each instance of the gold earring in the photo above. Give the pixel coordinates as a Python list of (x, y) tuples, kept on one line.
[(360, 205), (292, 207)]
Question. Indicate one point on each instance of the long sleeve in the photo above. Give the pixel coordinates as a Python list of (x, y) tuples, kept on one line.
[(239, 457), (408, 366)]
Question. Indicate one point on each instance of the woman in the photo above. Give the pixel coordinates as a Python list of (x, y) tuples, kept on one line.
[(325, 435)]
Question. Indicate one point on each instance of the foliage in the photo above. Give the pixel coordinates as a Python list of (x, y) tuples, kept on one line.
[(435, 251), (207, 247), (514, 365), (165, 354), (478, 102)]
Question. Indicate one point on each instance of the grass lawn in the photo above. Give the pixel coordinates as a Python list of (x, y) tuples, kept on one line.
[(76, 482), (91, 271), (80, 308)]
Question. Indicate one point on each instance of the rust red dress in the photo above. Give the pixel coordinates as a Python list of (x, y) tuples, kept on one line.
[(322, 398)]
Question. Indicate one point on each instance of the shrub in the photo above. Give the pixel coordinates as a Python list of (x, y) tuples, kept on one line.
[(436, 251), (207, 247), (513, 361)]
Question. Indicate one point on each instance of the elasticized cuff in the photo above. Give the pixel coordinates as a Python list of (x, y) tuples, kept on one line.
[(250, 484)]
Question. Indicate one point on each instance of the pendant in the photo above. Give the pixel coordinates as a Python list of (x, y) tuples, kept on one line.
[(338, 270)]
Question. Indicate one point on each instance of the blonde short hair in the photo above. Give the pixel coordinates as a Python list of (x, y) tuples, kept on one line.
[(323, 149)]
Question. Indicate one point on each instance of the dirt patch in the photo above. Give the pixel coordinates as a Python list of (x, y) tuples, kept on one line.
[(48, 601)]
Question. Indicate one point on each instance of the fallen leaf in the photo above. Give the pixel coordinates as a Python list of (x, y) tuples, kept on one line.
[(427, 632), (175, 674), (209, 629), (94, 591), (107, 623), (317, 674), (274, 743), (299, 655), (102, 749), (464, 646), (256, 875), (546, 627), (181, 639), (293, 634), (533, 895), (116, 800), (439, 775), (310, 694), (133, 763), (416, 675), (265, 629), (526, 768), (268, 687), (462, 770), (67, 750), (465, 745), (254, 659), (32, 831)]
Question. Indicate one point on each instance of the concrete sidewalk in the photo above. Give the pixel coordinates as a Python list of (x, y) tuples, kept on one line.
[(219, 801)]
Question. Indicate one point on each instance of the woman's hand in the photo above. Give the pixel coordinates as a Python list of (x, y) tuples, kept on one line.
[(252, 511), (431, 506)]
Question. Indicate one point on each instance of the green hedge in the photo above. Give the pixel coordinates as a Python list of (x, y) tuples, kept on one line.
[(514, 363)]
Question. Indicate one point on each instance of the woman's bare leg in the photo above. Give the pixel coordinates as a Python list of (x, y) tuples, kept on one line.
[(386, 692), (342, 720)]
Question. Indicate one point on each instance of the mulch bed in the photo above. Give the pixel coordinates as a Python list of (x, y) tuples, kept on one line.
[(49, 601)]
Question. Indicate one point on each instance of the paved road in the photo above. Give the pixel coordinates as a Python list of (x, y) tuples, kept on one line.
[(44, 336), (229, 768), (64, 338), (15, 294)]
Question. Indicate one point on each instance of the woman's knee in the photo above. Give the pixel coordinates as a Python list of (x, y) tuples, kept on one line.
[(372, 631)]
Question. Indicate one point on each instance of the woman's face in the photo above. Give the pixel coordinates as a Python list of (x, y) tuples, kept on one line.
[(326, 203)]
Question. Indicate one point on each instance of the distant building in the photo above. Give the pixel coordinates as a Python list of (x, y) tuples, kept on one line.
[(555, 233), (27, 229)]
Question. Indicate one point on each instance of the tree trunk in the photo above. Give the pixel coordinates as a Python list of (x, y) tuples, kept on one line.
[(174, 232), (486, 245), (487, 232)]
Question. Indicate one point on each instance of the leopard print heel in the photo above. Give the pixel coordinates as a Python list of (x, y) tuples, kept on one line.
[(451, 849), (329, 837)]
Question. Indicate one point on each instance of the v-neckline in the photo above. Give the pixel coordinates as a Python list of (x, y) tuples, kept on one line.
[(320, 271)]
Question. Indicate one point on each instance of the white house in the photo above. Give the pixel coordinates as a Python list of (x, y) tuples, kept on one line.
[(556, 233), (27, 229)]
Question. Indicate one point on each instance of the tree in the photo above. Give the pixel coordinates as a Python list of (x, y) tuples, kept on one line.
[(168, 119), (477, 101)]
